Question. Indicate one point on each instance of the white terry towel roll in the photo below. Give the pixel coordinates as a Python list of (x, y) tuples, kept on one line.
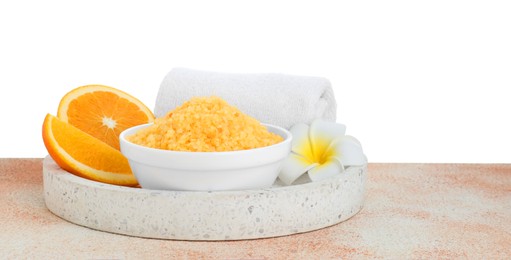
[(278, 99)]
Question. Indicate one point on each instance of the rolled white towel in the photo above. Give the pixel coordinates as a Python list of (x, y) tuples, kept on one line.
[(278, 99)]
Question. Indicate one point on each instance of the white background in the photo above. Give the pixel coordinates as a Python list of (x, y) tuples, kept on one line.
[(415, 81)]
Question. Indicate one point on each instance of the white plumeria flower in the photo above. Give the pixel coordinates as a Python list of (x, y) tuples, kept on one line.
[(322, 150)]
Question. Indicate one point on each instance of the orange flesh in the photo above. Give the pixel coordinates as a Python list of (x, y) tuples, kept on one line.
[(90, 111), (84, 155)]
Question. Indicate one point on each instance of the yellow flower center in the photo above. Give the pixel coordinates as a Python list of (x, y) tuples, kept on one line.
[(321, 151)]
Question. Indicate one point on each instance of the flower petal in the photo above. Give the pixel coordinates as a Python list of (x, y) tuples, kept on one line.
[(321, 134), (300, 143), (325, 170), (293, 167), (348, 151)]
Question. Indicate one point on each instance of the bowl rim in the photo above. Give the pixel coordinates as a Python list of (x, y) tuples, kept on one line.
[(122, 138)]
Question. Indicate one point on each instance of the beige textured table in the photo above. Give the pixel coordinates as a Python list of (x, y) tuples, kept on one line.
[(411, 211)]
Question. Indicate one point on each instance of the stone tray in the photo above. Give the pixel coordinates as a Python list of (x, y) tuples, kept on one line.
[(192, 215)]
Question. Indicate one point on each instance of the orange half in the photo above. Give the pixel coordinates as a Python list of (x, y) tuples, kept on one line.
[(103, 112), (84, 155)]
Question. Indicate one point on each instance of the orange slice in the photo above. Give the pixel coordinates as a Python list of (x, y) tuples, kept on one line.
[(103, 112), (84, 155)]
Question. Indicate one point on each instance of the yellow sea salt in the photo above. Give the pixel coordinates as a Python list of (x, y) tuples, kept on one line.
[(205, 124)]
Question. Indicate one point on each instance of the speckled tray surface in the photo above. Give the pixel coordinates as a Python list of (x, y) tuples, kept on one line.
[(191, 215)]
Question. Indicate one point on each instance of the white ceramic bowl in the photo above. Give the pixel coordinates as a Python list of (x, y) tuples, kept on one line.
[(206, 171)]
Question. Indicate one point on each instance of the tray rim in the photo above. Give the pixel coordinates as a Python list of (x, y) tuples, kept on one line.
[(112, 187)]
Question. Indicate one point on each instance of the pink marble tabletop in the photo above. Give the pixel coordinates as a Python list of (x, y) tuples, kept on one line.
[(425, 211)]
